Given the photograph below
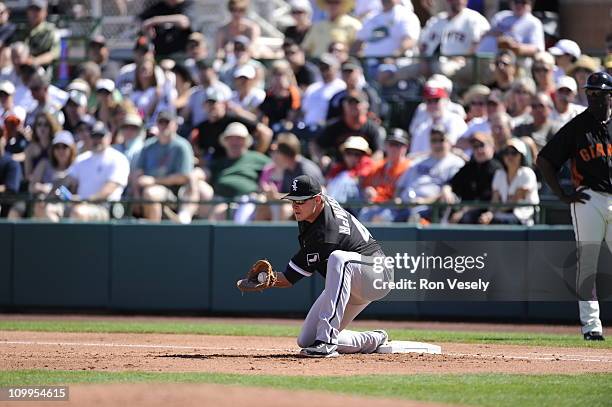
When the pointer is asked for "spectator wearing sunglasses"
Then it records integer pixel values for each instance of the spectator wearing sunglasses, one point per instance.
(473, 181)
(543, 127)
(504, 70)
(515, 183)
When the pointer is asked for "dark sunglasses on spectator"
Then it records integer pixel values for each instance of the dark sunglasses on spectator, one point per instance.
(392, 143)
(163, 122)
(356, 153)
(492, 103)
(436, 140)
(538, 106)
(4, 95)
(336, 2)
(478, 102)
(432, 101)
(97, 135)
(240, 47)
(297, 11)
(540, 69)
(476, 145)
(510, 151)
(60, 146)
(520, 1)
(238, 10)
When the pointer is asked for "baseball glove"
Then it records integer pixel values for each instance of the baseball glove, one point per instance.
(253, 282)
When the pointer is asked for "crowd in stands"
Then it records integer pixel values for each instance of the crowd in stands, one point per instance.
(195, 119)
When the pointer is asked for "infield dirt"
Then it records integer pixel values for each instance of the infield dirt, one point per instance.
(275, 356)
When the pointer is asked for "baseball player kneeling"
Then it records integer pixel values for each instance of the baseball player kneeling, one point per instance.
(337, 246)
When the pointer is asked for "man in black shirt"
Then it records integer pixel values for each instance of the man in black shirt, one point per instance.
(306, 73)
(473, 181)
(205, 137)
(168, 23)
(354, 122)
(336, 245)
(586, 141)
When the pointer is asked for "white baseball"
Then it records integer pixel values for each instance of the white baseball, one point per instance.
(262, 277)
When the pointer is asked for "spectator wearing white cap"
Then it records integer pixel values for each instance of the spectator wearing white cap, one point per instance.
(542, 72)
(565, 108)
(437, 113)
(237, 174)
(437, 81)
(206, 137)
(194, 114)
(301, 12)
(98, 175)
(243, 55)
(566, 52)
(247, 97)
(49, 172)
(345, 176)
(74, 109)
(106, 102)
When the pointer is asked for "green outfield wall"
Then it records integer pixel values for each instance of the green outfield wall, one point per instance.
(166, 268)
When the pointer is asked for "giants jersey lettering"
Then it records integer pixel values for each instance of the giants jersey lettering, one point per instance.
(334, 229)
(588, 144)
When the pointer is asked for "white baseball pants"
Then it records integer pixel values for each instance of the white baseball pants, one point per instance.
(592, 224)
(349, 288)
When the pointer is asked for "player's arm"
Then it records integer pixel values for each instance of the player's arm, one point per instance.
(549, 173)
(281, 281)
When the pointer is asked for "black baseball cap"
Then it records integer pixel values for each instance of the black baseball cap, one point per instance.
(398, 136)
(302, 188)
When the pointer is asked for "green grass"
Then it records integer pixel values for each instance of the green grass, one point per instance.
(472, 389)
(508, 338)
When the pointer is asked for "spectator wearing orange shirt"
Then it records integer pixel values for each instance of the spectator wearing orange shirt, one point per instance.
(379, 185)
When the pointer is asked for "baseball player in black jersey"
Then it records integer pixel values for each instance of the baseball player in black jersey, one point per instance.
(586, 141)
(336, 245)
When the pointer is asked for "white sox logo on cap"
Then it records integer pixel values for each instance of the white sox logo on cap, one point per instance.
(294, 185)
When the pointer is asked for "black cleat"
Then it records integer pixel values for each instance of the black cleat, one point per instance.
(594, 336)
